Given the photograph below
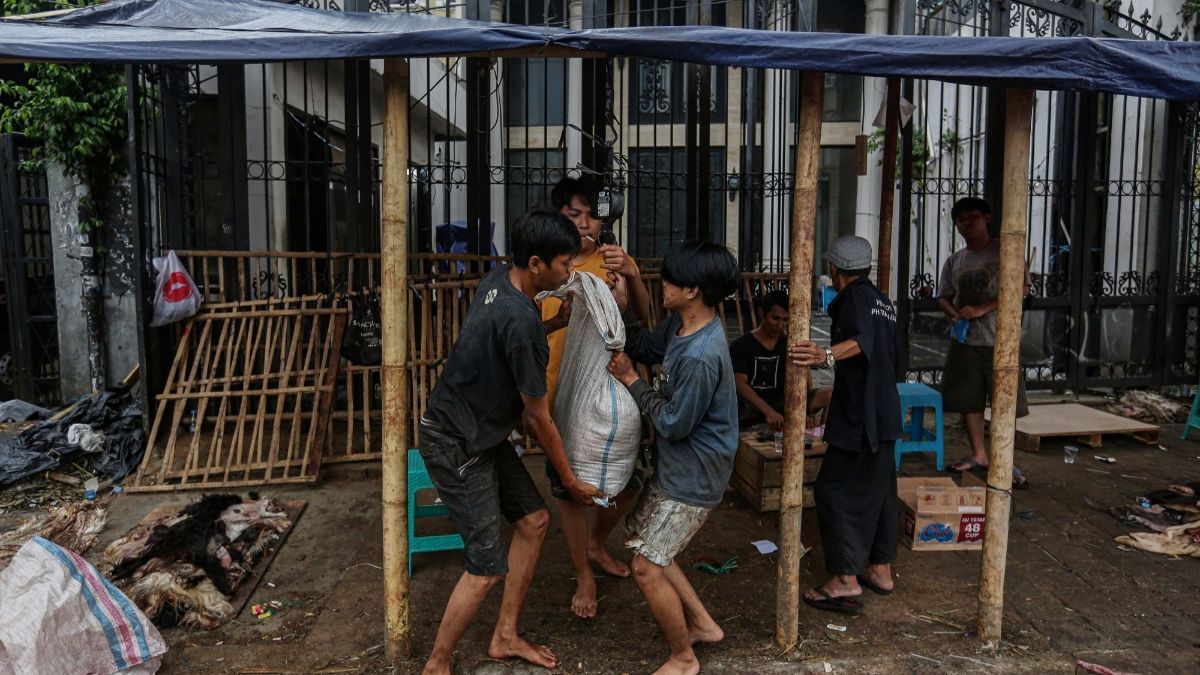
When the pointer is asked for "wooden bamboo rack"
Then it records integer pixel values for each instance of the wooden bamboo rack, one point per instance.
(247, 400)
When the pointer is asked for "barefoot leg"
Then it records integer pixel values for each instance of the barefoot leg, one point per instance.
(667, 608)
(464, 602)
(701, 626)
(606, 522)
(523, 555)
(575, 531)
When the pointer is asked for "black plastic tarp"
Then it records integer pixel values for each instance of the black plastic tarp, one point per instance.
(254, 31)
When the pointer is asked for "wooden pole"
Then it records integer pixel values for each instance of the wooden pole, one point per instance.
(887, 189)
(1006, 364)
(394, 311)
(791, 498)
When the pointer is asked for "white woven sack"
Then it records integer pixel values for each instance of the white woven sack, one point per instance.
(597, 417)
(59, 615)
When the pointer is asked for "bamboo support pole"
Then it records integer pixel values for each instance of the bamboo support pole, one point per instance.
(791, 498)
(1006, 364)
(887, 188)
(394, 311)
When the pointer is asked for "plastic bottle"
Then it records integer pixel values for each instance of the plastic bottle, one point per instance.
(192, 423)
(779, 442)
(89, 488)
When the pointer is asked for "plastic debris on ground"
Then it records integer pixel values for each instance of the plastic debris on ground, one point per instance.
(711, 566)
(17, 410)
(113, 415)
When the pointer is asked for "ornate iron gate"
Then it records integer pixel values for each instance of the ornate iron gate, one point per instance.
(29, 353)
(1110, 208)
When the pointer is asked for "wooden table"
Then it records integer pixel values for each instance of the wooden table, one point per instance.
(757, 471)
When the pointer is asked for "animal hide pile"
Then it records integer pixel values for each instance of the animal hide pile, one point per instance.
(183, 566)
(1172, 514)
(1148, 406)
(73, 526)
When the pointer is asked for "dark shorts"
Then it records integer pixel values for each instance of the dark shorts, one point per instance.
(559, 491)
(477, 490)
(967, 380)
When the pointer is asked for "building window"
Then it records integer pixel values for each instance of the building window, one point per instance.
(658, 199)
(534, 89)
(837, 198)
(530, 176)
(659, 90)
(843, 93)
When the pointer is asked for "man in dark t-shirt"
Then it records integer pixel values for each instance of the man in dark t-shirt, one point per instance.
(759, 366)
(855, 490)
(494, 377)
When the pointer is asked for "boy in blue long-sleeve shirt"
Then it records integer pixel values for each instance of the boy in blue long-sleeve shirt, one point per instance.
(695, 412)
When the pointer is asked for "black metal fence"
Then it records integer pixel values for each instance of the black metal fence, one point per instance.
(286, 157)
(1110, 205)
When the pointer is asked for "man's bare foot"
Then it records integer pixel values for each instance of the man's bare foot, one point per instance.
(707, 635)
(598, 553)
(675, 666)
(584, 602)
(436, 668)
(517, 647)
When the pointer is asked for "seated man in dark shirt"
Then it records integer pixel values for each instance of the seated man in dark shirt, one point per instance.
(759, 364)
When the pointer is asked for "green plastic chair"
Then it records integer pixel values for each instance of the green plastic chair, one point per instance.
(1193, 420)
(418, 479)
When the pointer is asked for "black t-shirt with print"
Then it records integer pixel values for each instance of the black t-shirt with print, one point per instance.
(500, 354)
(865, 408)
(764, 368)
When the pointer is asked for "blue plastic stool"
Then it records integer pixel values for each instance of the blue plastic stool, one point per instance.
(827, 295)
(914, 399)
(418, 479)
(1193, 420)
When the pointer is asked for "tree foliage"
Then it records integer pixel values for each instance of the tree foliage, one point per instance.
(77, 112)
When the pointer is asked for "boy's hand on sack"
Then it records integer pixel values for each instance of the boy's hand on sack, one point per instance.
(584, 492)
(616, 260)
(620, 290)
(622, 368)
(563, 317)
(806, 353)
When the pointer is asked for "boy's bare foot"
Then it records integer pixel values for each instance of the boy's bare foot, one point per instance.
(517, 647)
(584, 602)
(436, 668)
(675, 666)
(707, 635)
(598, 553)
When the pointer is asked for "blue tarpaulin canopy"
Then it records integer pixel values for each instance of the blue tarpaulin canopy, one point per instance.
(256, 31)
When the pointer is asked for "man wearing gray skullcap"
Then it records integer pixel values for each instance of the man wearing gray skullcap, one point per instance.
(855, 490)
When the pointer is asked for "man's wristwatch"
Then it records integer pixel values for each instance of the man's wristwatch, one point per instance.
(830, 362)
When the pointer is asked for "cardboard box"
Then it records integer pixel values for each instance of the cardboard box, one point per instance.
(936, 514)
(758, 472)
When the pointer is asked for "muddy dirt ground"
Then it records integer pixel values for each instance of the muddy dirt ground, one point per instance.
(1071, 592)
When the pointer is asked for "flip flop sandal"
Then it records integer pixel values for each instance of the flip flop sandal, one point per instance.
(1020, 482)
(871, 586)
(968, 461)
(828, 603)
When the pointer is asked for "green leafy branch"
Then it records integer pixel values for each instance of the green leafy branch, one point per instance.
(77, 112)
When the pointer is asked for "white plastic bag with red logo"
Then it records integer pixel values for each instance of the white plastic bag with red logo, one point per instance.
(176, 296)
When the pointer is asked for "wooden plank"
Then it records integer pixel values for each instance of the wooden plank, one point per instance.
(1081, 423)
